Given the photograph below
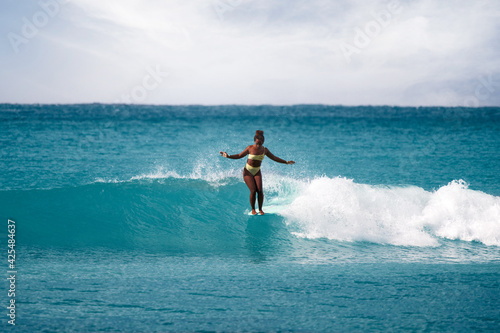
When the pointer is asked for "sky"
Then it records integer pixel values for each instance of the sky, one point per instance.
(381, 52)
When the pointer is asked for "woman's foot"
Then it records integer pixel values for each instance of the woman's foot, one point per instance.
(254, 212)
(261, 212)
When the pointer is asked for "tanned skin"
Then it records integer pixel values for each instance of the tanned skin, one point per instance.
(254, 183)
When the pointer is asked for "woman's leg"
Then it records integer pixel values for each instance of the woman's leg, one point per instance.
(260, 191)
(250, 181)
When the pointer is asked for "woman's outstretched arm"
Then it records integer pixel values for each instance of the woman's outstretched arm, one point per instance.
(277, 159)
(237, 156)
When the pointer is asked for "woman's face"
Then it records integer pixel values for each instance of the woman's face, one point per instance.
(259, 141)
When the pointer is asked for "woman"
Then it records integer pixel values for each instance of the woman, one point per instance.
(251, 172)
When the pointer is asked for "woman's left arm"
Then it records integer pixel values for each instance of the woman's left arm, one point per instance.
(277, 159)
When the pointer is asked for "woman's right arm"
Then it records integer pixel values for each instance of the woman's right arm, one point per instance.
(237, 156)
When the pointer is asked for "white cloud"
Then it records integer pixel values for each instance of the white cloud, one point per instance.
(256, 52)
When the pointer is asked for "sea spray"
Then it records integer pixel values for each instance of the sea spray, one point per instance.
(340, 209)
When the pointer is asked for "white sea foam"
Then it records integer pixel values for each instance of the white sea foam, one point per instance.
(217, 174)
(456, 212)
(159, 173)
(212, 174)
(338, 208)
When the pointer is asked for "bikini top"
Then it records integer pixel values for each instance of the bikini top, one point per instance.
(256, 157)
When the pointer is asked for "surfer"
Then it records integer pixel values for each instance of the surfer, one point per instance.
(251, 172)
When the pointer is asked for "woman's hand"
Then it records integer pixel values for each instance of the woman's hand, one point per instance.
(224, 154)
(290, 162)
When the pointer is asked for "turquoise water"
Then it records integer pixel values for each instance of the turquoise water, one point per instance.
(127, 219)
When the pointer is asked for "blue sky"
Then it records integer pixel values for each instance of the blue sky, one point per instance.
(393, 52)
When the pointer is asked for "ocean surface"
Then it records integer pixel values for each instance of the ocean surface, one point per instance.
(128, 219)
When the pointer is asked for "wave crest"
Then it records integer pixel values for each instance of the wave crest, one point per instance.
(342, 210)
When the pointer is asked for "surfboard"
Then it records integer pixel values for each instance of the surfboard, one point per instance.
(271, 210)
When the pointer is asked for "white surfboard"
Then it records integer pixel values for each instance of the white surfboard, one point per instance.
(271, 210)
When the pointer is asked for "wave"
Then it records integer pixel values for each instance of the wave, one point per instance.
(343, 210)
(206, 214)
(172, 214)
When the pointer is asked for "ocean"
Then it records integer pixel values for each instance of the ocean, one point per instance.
(125, 218)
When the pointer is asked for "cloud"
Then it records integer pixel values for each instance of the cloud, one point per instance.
(257, 52)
